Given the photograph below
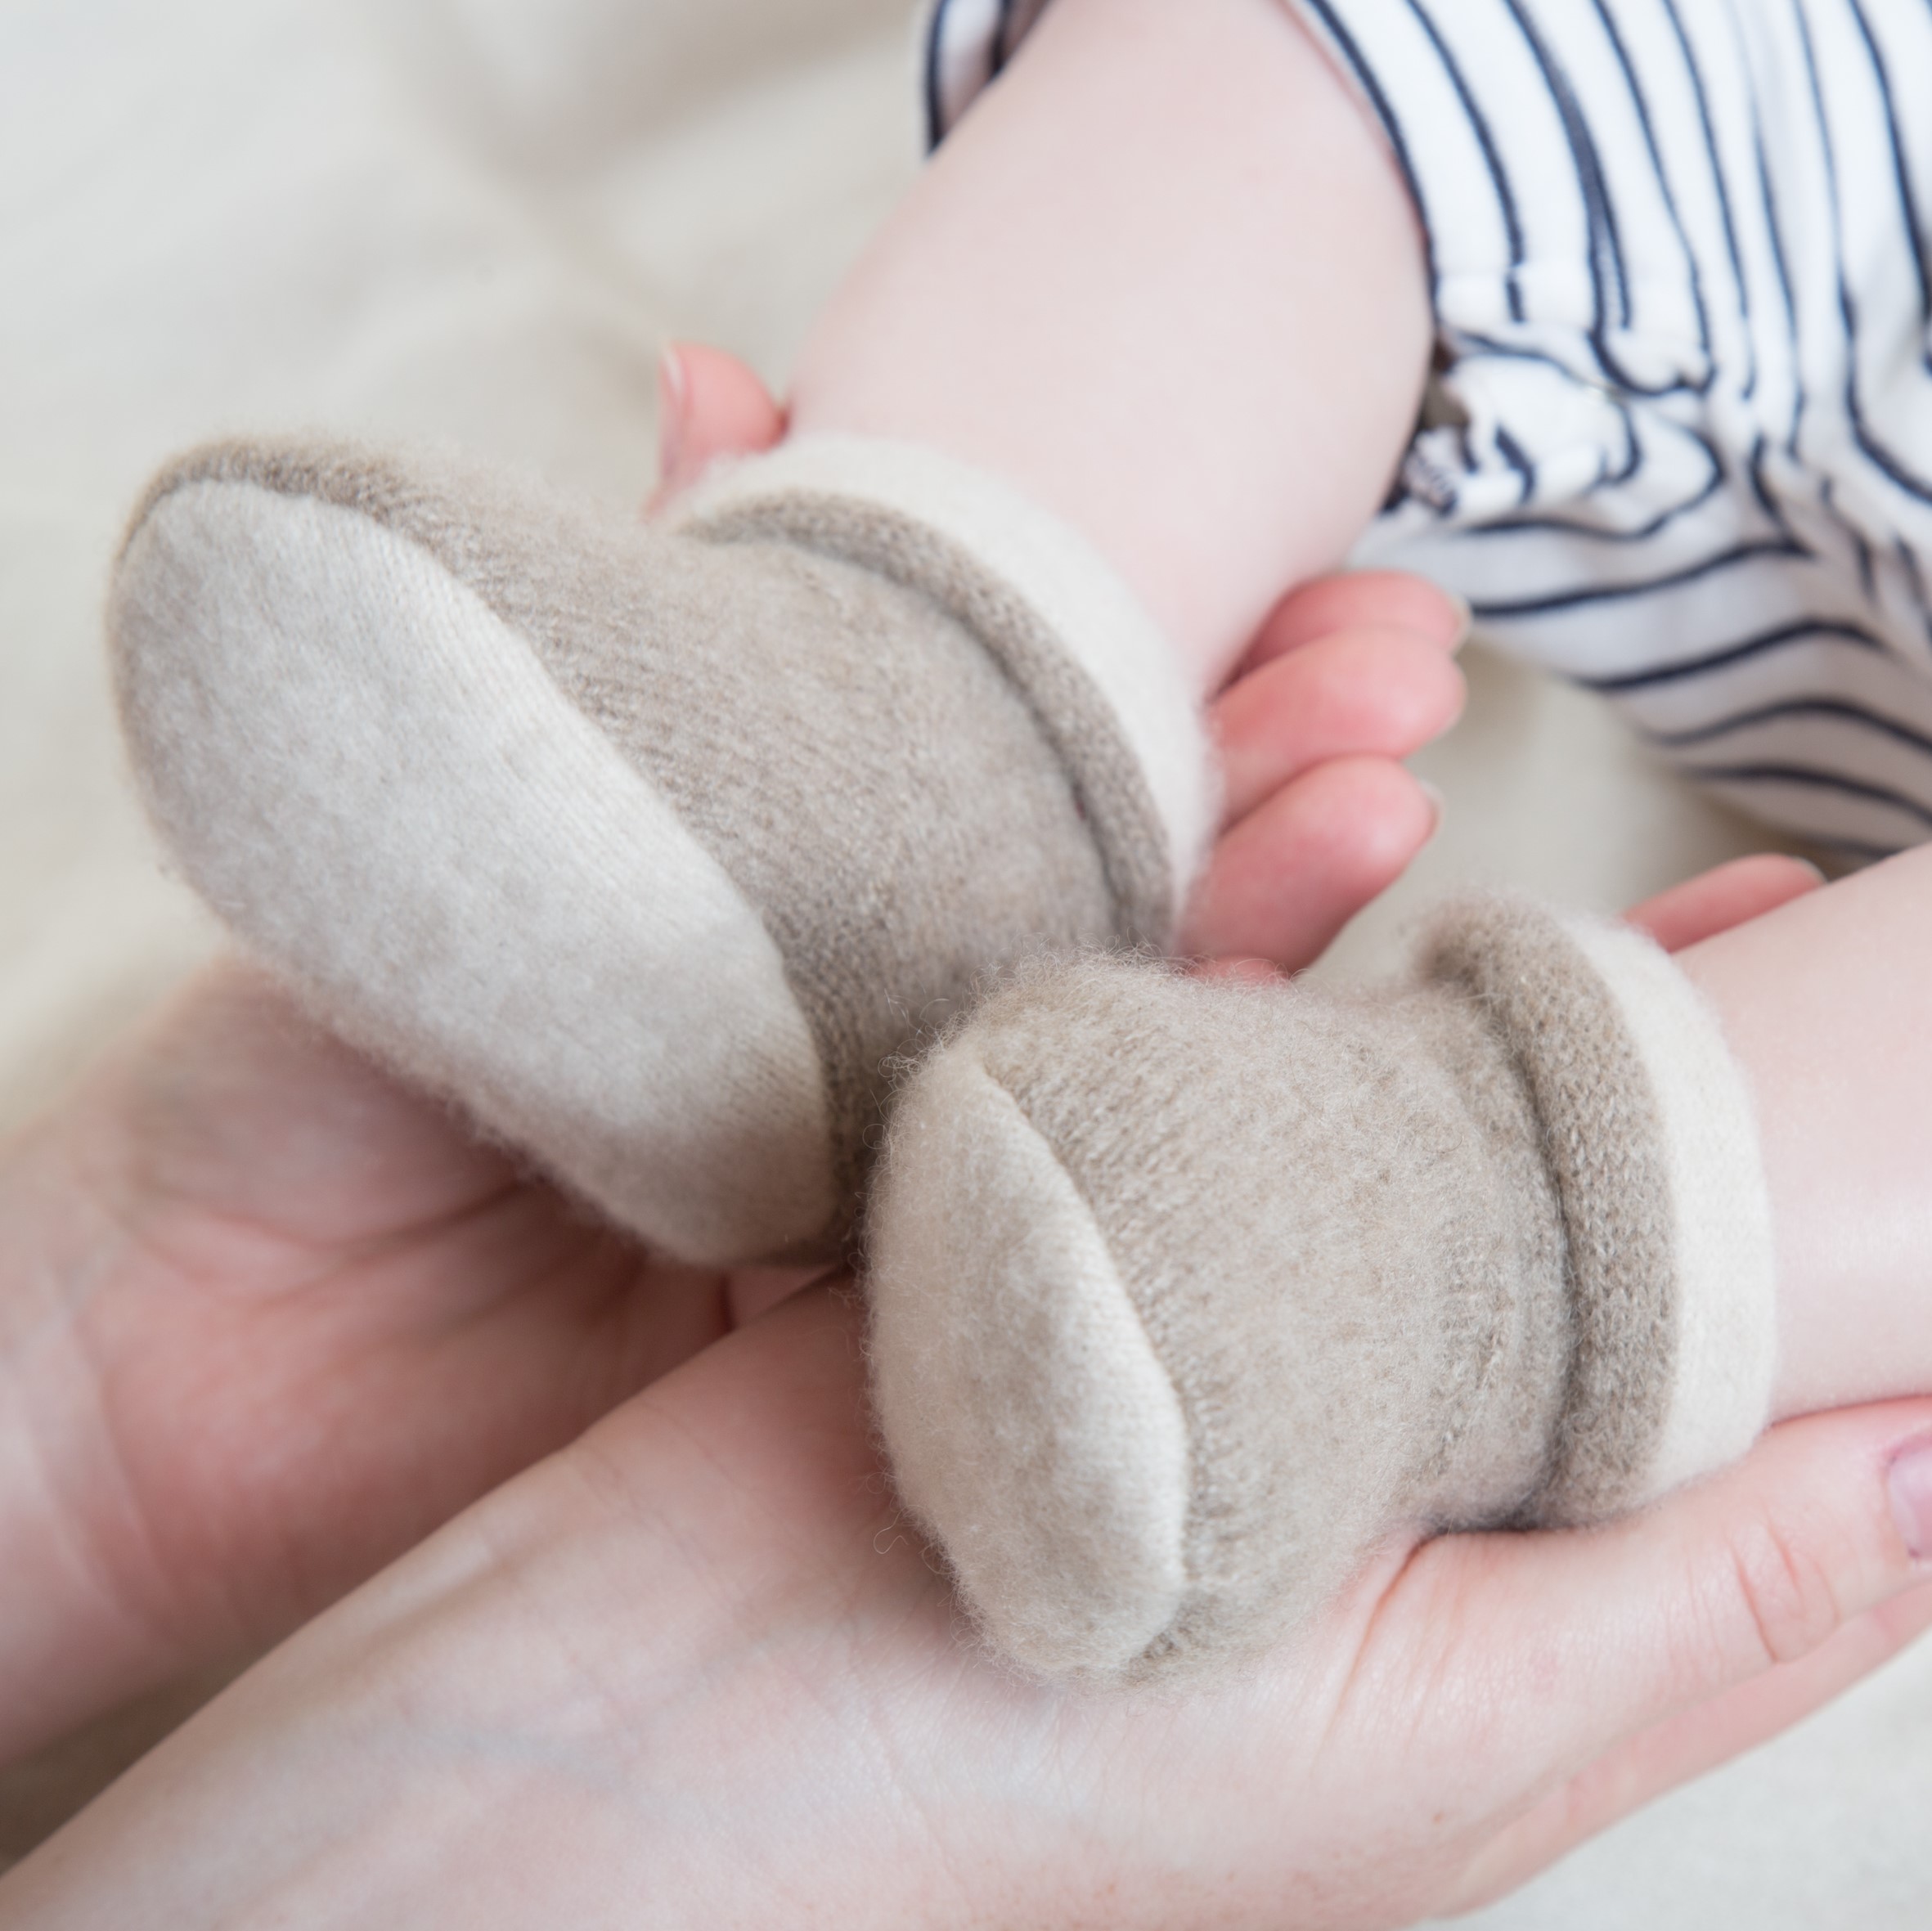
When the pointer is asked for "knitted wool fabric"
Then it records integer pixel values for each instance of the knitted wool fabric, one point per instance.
(650, 847)
(1186, 1294)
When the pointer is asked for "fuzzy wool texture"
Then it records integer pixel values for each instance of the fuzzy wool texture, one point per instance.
(1601, 1135)
(1405, 1258)
(1720, 1209)
(859, 778)
(479, 219)
(992, 1393)
(1108, 686)
(370, 777)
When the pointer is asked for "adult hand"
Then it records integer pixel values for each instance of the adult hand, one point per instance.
(694, 1670)
(267, 1318)
(700, 1618)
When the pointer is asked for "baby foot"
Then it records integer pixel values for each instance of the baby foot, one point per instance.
(1186, 1295)
(1350, 675)
(652, 847)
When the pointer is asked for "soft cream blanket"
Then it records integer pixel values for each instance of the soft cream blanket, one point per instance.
(477, 219)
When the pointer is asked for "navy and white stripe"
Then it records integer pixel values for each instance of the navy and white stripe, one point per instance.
(967, 44)
(1682, 449)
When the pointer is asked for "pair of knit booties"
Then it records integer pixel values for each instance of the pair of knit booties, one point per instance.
(660, 851)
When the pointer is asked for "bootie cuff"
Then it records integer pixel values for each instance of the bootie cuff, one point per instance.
(1101, 679)
(1186, 1295)
(1650, 1139)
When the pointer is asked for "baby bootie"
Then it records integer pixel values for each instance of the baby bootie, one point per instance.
(1186, 1294)
(649, 846)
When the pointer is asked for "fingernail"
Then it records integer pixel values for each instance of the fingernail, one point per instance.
(1465, 620)
(1438, 803)
(672, 389)
(1910, 1484)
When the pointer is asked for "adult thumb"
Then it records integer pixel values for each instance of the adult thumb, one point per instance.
(1669, 1642)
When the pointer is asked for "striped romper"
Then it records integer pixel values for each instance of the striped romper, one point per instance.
(1679, 445)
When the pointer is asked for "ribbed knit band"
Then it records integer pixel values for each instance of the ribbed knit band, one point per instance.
(1726, 1330)
(1648, 1133)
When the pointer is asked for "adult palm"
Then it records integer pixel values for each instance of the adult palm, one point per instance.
(267, 1318)
(694, 1670)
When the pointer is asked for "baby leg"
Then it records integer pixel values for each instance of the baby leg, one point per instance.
(1349, 673)
(1189, 1294)
(1823, 1002)
(1167, 279)
(651, 848)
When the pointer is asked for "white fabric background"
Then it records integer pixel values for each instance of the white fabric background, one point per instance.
(478, 218)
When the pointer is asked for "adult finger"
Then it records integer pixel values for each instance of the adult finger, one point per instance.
(1372, 692)
(710, 405)
(1354, 599)
(1728, 894)
(1285, 880)
(1748, 1579)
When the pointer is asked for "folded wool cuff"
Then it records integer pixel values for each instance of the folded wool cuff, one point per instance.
(1186, 1294)
(650, 847)
(1106, 683)
(1648, 1128)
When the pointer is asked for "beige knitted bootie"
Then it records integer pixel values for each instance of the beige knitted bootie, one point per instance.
(1185, 1294)
(649, 847)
